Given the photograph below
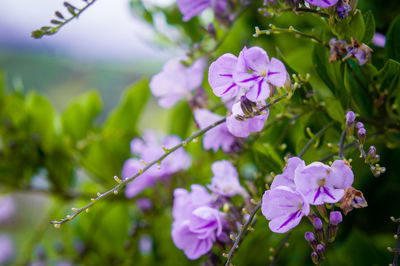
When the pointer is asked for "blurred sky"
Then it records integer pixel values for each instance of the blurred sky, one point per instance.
(106, 30)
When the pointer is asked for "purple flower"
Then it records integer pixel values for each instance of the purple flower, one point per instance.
(192, 8)
(335, 218)
(197, 225)
(220, 76)
(7, 208)
(144, 204)
(321, 184)
(322, 3)
(379, 39)
(257, 73)
(287, 176)
(175, 81)
(149, 149)
(6, 249)
(219, 136)
(343, 8)
(243, 127)
(145, 244)
(225, 181)
(284, 207)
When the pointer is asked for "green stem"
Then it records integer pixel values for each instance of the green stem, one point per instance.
(316, 136)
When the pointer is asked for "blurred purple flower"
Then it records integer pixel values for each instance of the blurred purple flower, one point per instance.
(256, 72)
(322, 3)
(284, 207)
(196, 223)
(144, 204)
(149, 149)
(287, 176)
(175, 81)
(7, 207)
(321, 184)
(343, 8)
(219, 136)
(243, 128)
(6, 249)
(225, 181)
(145, 244)
(379, 39)
(220, 76)
(192, 8)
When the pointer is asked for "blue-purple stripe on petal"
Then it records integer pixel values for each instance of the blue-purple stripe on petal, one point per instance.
(291, 217)
(326, 191)
(259, 87)
(230, 87)
(250, 79)
(317, 194)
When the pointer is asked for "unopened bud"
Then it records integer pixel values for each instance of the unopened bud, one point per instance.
(359, 125)
(321, 251)
(319, 230)
(315, 258)
(350, 118)
(309, 236)
(57, 226)
(362, 134)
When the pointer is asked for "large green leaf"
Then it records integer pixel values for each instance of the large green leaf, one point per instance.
(393, 40)
(334, 109)
(78, 118)
(369, 27)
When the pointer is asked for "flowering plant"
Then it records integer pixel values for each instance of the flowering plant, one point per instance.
(275, 137)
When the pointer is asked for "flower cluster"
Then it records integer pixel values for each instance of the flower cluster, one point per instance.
(249, 79)
(198, 222)
(176, 81)
(149, 149)
(299, 186)
(359, 51)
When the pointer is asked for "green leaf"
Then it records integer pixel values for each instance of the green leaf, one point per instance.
(41, 118)
(356, 27)
(78, 118)
(369, 27)
(387, 75)
(360, 99)
(322, 66)
(125, 117)
(180, 119)
(267, 159)
(393, 40)
(334, 109)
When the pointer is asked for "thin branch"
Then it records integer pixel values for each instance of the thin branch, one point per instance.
(122, 183)
(360, 148)
(317, 135)
(341, 144)
(330, 156)
(284, 241)
(48, 30)
(397, 248)
(291, 29)
(241, 233)
(305, 10)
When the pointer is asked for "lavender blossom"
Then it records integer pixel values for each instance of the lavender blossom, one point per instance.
(7, 208)
(242, 127)
(379, 40)
(220, 76)
(359, 51)
(225, 181)
(287, 176)
(149, 149)
(321, 184)
(322, 3)
(197, 225)
(284, 207)
(219, 136)
(6, 249)
(257, 73)
(343, 8)
(175, 81)
(192, 8)
(350, 118)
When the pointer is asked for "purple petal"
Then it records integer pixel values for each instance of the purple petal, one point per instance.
(322, 3)
(220, 76)
(277, 73)
(192, 8)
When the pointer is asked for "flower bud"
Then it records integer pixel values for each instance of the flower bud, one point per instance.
(371, 152)
(315, 258)
(309, 236)
(321, 251)
(335, 219)
(247, 106)
(322, 211)
(362, 134)
(359, 125)
(319, 230)
(350, 117)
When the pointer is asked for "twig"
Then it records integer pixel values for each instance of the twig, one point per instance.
(360, 148)
(305, 10)
(244, 229)
(317, 135)
(330, 156)
(47, 30)
(341, 144)
(122, 183)
(397, 248)
(291, 29)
